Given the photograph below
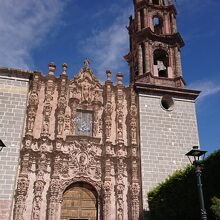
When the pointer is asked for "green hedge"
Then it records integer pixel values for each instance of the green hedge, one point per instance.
(177, 197)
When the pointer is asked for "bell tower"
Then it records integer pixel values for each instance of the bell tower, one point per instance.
(167, 119)
(155, 44)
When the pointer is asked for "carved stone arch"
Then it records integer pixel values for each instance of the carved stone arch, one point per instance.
(66, 183)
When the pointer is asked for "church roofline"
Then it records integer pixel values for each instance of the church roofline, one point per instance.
(15, 73)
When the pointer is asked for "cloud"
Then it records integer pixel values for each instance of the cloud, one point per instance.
(23, 25)
(208, 88)
(107, 46)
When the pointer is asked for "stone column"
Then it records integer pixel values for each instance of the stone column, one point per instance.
(22, 189)
(145, 18)
(139, 20)
(140, 61)
(178, 62)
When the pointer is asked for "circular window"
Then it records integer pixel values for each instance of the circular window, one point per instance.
(167, 103)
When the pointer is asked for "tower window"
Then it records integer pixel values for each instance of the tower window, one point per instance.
(143, 57)
(161, 60)
(158, 25)
(142, 18)
(156, 2)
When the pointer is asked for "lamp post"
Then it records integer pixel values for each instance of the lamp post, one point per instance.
(2, 145)
(195, 154)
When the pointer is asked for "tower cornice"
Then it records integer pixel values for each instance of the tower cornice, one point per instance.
(170, 39)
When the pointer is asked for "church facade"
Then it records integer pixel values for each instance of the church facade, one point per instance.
(82, 149)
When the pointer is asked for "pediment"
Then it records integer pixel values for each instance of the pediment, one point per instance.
(86, 88)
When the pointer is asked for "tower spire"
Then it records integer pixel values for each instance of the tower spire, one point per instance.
(155, 44)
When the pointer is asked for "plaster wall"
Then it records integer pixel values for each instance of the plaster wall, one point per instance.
(165, 138)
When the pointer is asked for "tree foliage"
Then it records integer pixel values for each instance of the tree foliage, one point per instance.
(177, 197)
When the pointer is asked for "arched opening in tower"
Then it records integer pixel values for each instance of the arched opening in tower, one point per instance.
(161, 62)
(158, 25)
(156, 2)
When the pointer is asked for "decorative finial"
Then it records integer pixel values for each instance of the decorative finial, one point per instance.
(52, 68)
(86, 63)
(108, 75)
(120, 77)
(170, 2)
(65, 66)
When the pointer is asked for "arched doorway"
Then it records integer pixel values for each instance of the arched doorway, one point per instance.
(79, 202)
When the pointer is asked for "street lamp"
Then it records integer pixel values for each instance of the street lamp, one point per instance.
(2, 145)
(194, 158)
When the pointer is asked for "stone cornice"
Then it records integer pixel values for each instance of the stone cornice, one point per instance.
(16, 73)
(164, 90)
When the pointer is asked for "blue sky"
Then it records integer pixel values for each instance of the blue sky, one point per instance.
(33, 33)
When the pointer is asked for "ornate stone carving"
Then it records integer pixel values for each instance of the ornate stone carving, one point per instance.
(21, 194)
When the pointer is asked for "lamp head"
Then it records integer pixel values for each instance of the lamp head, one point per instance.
(195, 154)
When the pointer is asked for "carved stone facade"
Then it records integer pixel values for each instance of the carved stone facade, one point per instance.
(54, 155)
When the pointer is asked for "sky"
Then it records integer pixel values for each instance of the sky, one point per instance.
(34, 33)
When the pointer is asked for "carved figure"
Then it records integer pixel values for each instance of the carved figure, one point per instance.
(86, 91)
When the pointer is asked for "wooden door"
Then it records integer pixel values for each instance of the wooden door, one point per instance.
(79, 202)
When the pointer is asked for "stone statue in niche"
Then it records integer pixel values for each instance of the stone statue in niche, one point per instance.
(47, 110)
(45, 127)
(62, 102)
(31, 118)
(86, 87)
(33, 100)
(60, 124)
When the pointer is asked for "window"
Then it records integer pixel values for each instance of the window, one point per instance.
(156, 2)
(142, 18)
(158, 25)
(161, 60)
(167, 103)
(84, 123)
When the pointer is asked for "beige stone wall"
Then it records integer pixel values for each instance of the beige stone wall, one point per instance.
(13, 96)
(165, 138)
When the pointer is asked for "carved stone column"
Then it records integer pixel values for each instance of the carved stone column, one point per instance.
(38, 190)
(119, 109)
(62, 102)
(135, 185)
(108, 107)
(50, 86)
(33, 104)
(178, 62)
(140, 61)
(53, 213)
(107, 190)
(22, 188)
